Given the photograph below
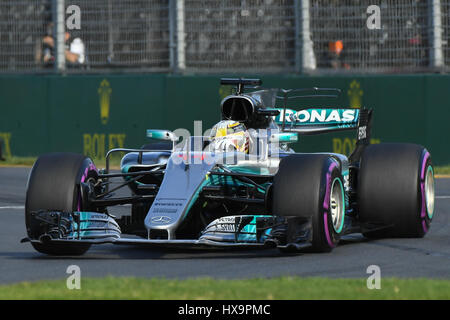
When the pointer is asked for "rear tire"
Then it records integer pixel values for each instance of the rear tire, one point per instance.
(396, 189)
(311, 185)
(54, 184)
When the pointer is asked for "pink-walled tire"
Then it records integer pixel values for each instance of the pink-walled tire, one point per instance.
(54, 184)
(311, 185)
(396, 189)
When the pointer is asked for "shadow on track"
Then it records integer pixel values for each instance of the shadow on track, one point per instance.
(142, 252)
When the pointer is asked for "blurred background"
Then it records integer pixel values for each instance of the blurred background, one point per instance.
(207, 36)
(89, 75)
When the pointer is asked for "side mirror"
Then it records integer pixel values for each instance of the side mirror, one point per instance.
(162, 135)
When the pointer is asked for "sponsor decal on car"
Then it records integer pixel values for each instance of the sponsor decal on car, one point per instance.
(318, 116)
(362, 133)
(161, 219)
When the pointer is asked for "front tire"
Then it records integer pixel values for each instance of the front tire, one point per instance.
(54, 184)
(311, 185)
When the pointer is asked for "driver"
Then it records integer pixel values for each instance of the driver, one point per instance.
(229, 135)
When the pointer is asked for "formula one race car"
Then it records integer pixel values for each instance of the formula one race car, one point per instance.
(240, 186)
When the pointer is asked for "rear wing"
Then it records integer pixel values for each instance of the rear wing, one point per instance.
(314, 120)
(304, 120)
(322, 120)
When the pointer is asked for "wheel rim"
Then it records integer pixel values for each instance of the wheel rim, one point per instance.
(337, 206)
(429, 192)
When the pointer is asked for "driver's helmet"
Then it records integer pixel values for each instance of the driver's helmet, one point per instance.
(229, 135)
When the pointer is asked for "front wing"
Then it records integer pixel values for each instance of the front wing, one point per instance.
(245, 231)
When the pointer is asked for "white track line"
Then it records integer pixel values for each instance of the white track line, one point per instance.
(13, 207)
(442, 197)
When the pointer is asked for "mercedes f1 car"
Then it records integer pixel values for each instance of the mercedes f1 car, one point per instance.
(240, 186)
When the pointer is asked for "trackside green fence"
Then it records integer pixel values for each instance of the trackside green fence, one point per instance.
(91, 114)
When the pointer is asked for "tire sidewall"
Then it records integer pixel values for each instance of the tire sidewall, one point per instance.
(425, 219)
(391, 191)
(325, 237)
(85, 170)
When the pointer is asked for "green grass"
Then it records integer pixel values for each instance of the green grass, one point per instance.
(18, 161)
(442, 170)
(207, 288)
(115, 162)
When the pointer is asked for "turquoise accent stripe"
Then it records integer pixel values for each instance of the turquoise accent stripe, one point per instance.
(249, 231)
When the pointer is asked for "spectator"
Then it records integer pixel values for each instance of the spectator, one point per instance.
(74, 51)
(48, 52)
(335, 55)
(77, 47)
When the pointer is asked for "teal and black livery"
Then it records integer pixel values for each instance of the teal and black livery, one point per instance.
(240, 229)
(266, 195)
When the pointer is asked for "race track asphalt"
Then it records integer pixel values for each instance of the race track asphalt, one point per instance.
(428, 257)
